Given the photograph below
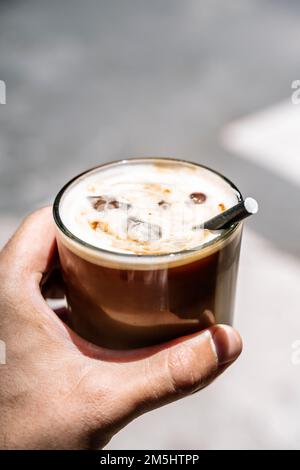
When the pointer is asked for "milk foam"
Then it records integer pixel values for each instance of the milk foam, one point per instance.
(145, 207)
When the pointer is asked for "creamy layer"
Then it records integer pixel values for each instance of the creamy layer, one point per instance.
(146, 206)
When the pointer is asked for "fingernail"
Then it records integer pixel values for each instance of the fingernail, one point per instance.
(227, 342)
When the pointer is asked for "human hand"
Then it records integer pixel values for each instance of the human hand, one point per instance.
(59, 391)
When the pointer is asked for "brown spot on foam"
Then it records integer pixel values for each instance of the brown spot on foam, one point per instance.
(101, 203)
(98, 202)
(114, 204)
(104, 227)
(163, 204)
(198, 198)
(94, 224)
(99, 225)
(222, 207)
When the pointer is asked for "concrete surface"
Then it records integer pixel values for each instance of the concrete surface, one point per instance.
(93, 81)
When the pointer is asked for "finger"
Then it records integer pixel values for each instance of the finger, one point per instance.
(180, 369)
(32, 247)
(24, 261)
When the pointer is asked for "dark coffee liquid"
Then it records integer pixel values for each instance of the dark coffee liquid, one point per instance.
(123, 308)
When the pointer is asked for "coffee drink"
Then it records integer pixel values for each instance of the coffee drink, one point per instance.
(137, 265)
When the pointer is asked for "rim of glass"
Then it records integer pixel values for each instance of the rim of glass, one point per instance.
(69, 234)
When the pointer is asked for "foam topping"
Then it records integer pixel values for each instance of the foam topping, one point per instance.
(145, 207)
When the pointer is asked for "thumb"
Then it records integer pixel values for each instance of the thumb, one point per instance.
(181, 368)
(32, 247)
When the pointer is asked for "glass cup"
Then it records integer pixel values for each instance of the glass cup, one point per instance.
(124, 301)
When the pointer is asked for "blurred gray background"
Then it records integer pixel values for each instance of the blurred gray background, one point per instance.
(93, 81)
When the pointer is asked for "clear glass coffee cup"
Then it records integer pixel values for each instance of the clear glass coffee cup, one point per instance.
(125, 300)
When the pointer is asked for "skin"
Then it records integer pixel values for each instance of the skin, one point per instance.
(59, 391)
